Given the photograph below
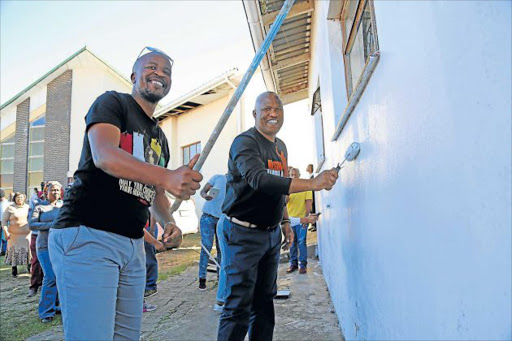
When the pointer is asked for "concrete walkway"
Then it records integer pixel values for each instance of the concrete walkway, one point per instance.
(185, 313)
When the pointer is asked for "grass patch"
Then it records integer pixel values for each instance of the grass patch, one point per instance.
(19, 318)
(18, 313)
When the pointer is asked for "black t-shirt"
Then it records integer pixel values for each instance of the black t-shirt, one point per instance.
(256, 184)
(101, 201)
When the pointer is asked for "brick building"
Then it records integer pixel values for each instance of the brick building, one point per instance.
(42, 127)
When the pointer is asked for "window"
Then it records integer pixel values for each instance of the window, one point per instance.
(189, 151)
(359, 39)
(7, 164)
(316, 112)
(36, 153)
(360, 53)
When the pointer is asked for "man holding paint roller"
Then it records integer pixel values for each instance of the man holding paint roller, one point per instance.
(96, 243)
(254, 208)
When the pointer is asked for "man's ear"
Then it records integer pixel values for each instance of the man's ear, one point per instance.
(254, 113)
(132, 77)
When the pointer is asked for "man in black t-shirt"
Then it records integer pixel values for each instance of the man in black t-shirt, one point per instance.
(254, 207)
(96, 243)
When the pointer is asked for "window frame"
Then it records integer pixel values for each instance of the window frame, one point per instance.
(316, 112)
(348, 41)
(354, 93)
(187, 147)
(12, 143)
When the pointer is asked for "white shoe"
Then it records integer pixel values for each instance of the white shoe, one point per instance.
(218, 307)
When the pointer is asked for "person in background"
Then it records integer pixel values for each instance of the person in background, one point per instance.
(213, 192)
(15, 226)
(208, 223)
(3, 205)
(36, 272)
(299, 206)
(41, 220)
(309, 169)
(151, 245)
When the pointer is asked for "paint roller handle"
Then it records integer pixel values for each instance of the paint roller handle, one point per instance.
(325, 180)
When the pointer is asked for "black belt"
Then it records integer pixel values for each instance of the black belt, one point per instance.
(250, 225)
(209, 215)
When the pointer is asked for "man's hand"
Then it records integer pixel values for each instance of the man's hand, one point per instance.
(184, 181)
(325, 180)
(310, 219)
(159, 246)
(172, 236)
(288, 235)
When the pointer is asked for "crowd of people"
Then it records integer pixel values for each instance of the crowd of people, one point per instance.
(26, 227)
(99, 260)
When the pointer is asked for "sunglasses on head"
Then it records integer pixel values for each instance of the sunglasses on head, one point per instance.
(153, 49)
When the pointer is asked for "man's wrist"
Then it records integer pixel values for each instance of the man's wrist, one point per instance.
(285, 221)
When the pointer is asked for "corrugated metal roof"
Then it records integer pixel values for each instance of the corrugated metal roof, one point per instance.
(290, 52)
(206, 93)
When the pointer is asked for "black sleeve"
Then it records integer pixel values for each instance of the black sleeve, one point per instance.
(245, 153)
(106, 109)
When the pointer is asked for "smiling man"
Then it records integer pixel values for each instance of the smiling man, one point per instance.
(96, 243)
(254, 207)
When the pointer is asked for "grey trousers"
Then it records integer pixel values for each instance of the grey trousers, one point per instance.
(100, 279)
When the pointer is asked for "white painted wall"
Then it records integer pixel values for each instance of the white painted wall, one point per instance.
(7, 117)
(415, 238)
(90, 80)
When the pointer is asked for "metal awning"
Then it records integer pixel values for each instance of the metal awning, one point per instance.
(286, 68)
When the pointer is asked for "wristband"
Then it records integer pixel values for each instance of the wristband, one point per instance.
(284, 221)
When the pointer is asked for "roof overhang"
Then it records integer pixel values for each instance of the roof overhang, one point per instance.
(206, 93)
(285, 67)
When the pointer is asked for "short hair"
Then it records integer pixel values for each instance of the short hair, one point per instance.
(17, 194)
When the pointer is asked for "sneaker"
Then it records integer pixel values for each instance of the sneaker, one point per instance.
(292, 268)
(302, 270)
(148, 307)
(32, 292)
(202, 283)
(47, 320)
(149, 293)
(219, 306)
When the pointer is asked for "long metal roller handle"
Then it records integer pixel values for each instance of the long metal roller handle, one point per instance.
(240, 90)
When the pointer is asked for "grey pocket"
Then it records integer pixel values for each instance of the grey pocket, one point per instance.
(69, 238)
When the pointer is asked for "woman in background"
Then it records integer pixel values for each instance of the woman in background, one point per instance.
(15, 225)
(41, 220)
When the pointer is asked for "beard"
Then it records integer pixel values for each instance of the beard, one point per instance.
(150, 96)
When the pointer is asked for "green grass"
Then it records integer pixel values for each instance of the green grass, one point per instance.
(18, 313)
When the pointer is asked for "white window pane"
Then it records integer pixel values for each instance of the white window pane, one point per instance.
(7, 151)
(37, 133)
(36, 148)
(186, 156)
(34, 180)
(36, 164)
(6, 180)
(319, 137)
(7, 166)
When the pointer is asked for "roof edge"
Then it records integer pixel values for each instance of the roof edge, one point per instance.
(212, 83)
(64, 62)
